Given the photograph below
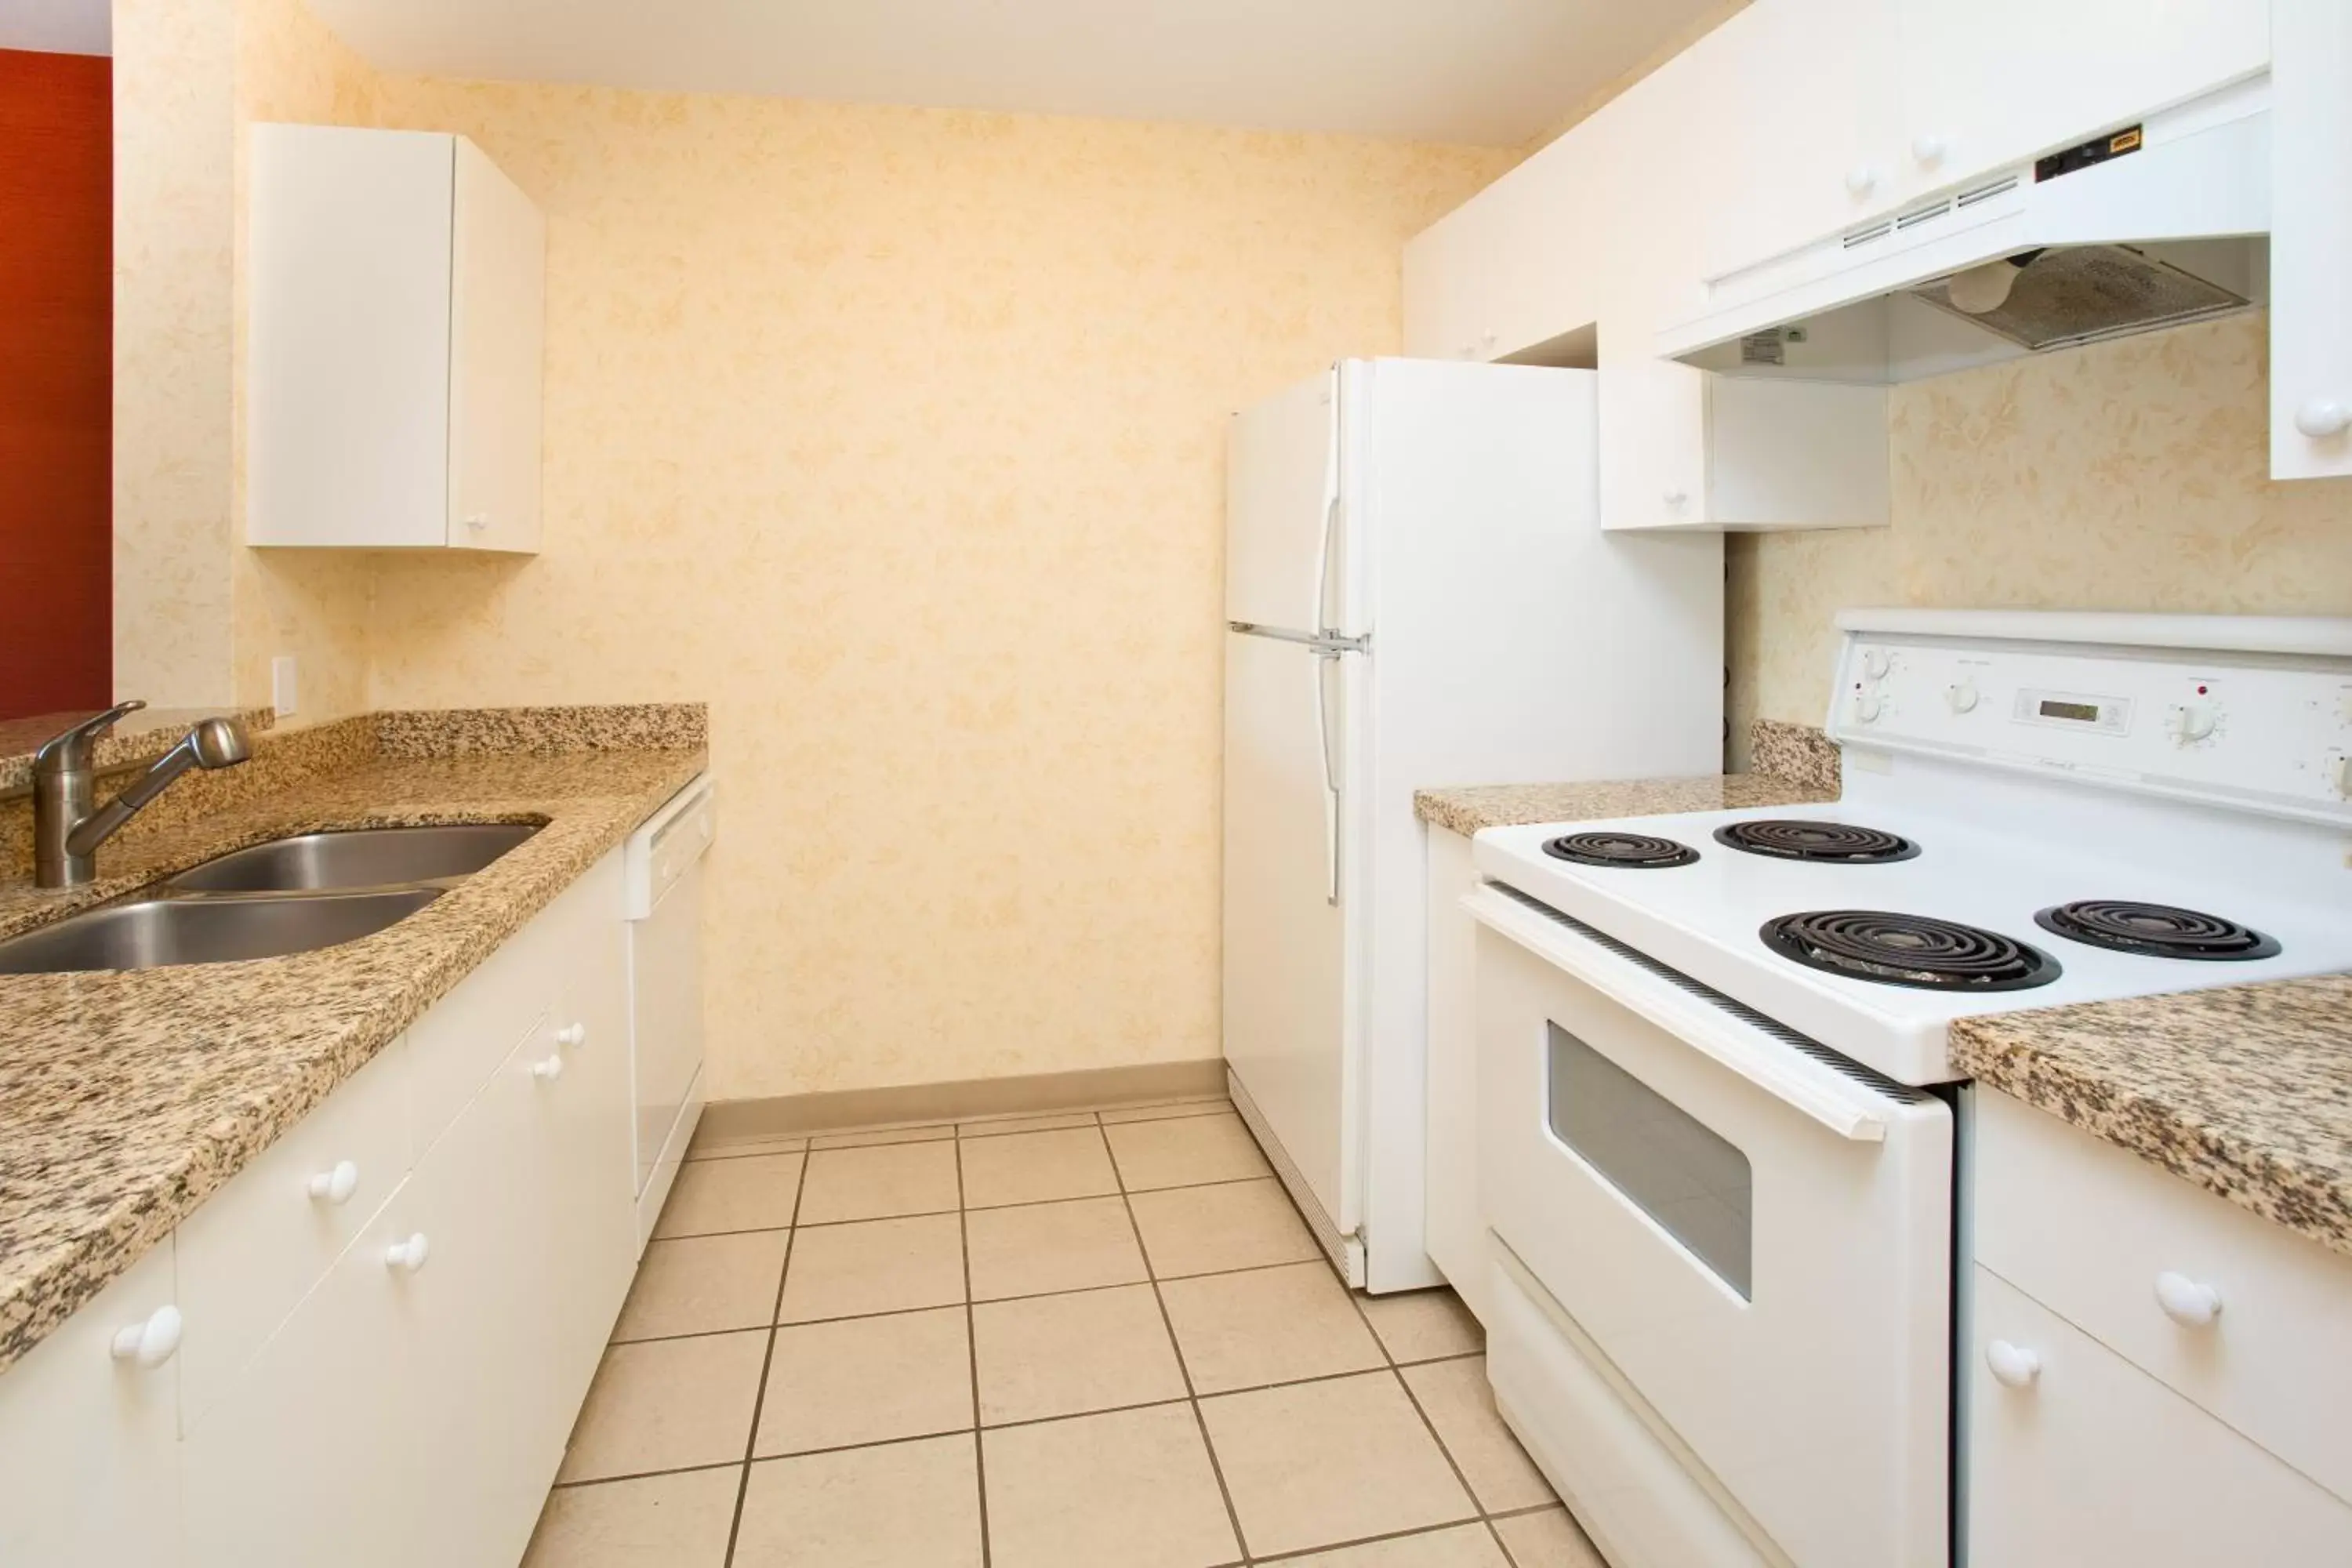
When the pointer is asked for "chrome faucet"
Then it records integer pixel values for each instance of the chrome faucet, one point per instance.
(67, 832)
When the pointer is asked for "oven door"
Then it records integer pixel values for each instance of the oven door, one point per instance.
(1754, 1234)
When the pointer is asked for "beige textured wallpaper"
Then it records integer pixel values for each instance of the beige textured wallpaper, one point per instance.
(2127, 476)
(312, 604)
(196, 616)
(897, 435)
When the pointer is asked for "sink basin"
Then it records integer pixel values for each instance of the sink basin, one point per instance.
(355, 858)
(155, 932)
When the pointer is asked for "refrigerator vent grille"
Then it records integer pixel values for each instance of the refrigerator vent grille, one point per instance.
(1803, 1044)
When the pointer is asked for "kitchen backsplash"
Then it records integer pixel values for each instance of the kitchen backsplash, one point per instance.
(2125, 476)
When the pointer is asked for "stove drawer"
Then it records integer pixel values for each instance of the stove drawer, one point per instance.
(2079, 1458)
(2091, 1229)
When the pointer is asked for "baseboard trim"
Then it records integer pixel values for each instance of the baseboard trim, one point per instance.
(1045, 1091)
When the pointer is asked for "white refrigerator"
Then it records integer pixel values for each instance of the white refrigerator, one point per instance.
(1418, 594)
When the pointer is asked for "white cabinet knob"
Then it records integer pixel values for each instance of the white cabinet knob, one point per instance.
(150, 1343)
(1861, 180)
(549, 1071)
(2013, 1366)
(2322, 417)
(2187, 1302)
(335, 1187)
(477, 521)
(407, 1257)
(1928, 149)
(1674, 494)
(570, 1033)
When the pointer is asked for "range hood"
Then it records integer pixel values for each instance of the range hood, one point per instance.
(2146, 226)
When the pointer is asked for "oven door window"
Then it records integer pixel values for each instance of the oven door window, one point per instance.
(1696, 1186)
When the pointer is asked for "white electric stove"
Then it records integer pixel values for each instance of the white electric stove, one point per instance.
(1716, 1114)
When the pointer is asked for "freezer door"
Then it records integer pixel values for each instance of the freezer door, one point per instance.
(1281, 496)
(1286, 976)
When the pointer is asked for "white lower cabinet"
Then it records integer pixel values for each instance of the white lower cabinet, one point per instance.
(484, 1309)
(2077, 1456)
(2157, 1377)
(308, 1457)
(1456, 1234)
(89, 1457)
(389, 1376)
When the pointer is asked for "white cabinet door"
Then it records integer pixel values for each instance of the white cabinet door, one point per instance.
(584, 1131)
(395, 326)
(2311, 238)
(1987, 83)
(309, 1458)
(484, 1307)
(347, 387)
(1511, 268)
(89, 1453)
(1806, 125)
(497, 315)
(1456, 1234)
(2081, 1458)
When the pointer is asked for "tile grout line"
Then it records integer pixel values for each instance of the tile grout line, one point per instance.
(971, 1356)
(767, 1364)
(976, 1208)
(1396, 1370)
(953, 1131)
(1038, 1296)
(1183, 1368)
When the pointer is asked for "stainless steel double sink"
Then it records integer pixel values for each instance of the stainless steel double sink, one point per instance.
(287, 895)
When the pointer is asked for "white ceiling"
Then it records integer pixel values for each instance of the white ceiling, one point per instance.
(56, 26)
(1491, 71)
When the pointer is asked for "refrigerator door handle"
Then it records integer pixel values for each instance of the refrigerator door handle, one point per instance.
(1326, 660)
(1325, 621)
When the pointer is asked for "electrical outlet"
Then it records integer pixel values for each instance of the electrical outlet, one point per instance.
(282, 694)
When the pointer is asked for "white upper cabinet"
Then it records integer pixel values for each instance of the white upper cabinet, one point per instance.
(1508, 269)
(396, 321)
(1989, 82)
(1815, 131)
(2311, 236)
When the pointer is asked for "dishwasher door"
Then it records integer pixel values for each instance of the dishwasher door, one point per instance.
(663, 866)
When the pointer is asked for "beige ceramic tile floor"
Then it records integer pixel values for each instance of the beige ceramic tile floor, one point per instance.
(1078, 1341)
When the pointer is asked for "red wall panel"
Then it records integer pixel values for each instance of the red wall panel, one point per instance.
(57, 377)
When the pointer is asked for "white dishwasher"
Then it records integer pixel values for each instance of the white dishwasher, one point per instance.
(662, 872)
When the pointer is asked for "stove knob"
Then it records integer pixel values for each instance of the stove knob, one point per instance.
(1867, 707)
(1874, 663)
(1962, 695)
(2339, 773)
(2190, 722)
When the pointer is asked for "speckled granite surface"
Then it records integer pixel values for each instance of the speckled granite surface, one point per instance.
(1801, 753)
(146, 734)
(2246, 1091)
(461, 732)
(126, 1098)
(1813, 777)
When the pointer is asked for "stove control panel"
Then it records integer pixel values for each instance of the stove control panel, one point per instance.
(2262, 731)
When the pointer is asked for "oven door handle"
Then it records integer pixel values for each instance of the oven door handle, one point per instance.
(1848, 1108)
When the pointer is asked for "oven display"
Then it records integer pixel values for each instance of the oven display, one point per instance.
(2079, 711)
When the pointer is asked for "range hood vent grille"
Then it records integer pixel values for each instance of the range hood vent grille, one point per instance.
(2082, 294)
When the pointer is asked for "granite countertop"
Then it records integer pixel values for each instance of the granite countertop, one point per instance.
(2245, 1090)
(1796, 764)
(126, 1098)
(1466, 811)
